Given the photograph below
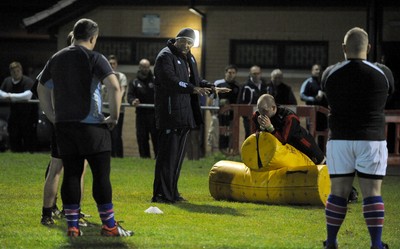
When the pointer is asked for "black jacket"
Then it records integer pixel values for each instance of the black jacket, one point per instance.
(143, 89)
(249, 93)
(176, 106)
(282, 93)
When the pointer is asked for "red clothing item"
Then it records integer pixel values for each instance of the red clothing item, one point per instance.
(287, 129)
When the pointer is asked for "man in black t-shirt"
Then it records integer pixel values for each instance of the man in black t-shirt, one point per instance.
(69, 93)
(356, 91)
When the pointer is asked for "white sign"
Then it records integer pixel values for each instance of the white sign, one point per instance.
(151, 25)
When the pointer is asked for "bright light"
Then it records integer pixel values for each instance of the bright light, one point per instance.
(197, 38)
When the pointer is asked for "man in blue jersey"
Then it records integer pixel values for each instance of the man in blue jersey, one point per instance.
(69, 93)
(356, 91)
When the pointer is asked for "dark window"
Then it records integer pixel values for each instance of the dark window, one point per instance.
(131, 50)
(278, 54)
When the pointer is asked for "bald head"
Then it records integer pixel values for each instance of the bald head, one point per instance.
(266, 105)
(144, 66)
(355, 44)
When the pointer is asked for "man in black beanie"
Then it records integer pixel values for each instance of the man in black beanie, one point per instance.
(177, 111)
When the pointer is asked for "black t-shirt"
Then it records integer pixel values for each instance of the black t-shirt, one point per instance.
(356, 91)
(75, 73)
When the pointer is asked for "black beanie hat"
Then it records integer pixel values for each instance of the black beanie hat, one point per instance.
(186, 33)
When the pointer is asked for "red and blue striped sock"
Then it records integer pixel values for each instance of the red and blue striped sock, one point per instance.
(106, 213)
(335, 212)
(72, 214)
(374, 214)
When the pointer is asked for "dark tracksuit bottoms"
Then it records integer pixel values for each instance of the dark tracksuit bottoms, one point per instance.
(171, 152)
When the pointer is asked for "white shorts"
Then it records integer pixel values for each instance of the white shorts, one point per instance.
(348, 156)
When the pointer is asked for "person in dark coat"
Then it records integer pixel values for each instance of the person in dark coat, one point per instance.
(177, 110)
(141, 91)
(282, 92)
(249, 93)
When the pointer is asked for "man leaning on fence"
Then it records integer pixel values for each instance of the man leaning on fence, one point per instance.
(22, 121)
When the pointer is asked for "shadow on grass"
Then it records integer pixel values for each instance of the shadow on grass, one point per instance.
(91, 238)
(208, 209)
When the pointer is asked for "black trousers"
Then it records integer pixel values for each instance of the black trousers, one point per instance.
(145, 126)
(117, 146)
(171, 152)
(22, 134)
(247, 126)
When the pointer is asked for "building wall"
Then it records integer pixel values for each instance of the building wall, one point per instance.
(391, 25)
(225, 23)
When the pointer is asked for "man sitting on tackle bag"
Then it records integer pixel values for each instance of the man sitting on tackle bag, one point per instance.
(284, 124)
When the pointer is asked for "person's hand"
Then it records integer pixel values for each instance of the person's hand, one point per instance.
(264, 122)
(5, 96)
(222, 89)
(111, 123)
(201, 90)
(135, 102)
(320, 95)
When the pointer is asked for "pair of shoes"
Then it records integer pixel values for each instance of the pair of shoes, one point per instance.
(74, 232)
(384, 246)
(161, 199)
(56, 213)
(83, 215)
(82, 219)
(180, 198)
(326, 246)
(116, 231)
(353, 196)
(82, 222)
(47, 220)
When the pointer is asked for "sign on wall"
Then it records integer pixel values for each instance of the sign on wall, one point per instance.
(151, 25)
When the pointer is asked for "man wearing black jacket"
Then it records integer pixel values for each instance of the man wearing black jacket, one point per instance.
(177, 110)
(141, 91)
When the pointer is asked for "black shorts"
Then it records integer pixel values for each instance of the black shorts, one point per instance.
(79, 139)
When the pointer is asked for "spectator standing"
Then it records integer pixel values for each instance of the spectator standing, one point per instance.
(70, 95)
(177, 110)
(117, 146)
(282, 93)
(224, 119)
(357, 91)
(311, 93)
(252, 89)
(22, 121)
(141, 91)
